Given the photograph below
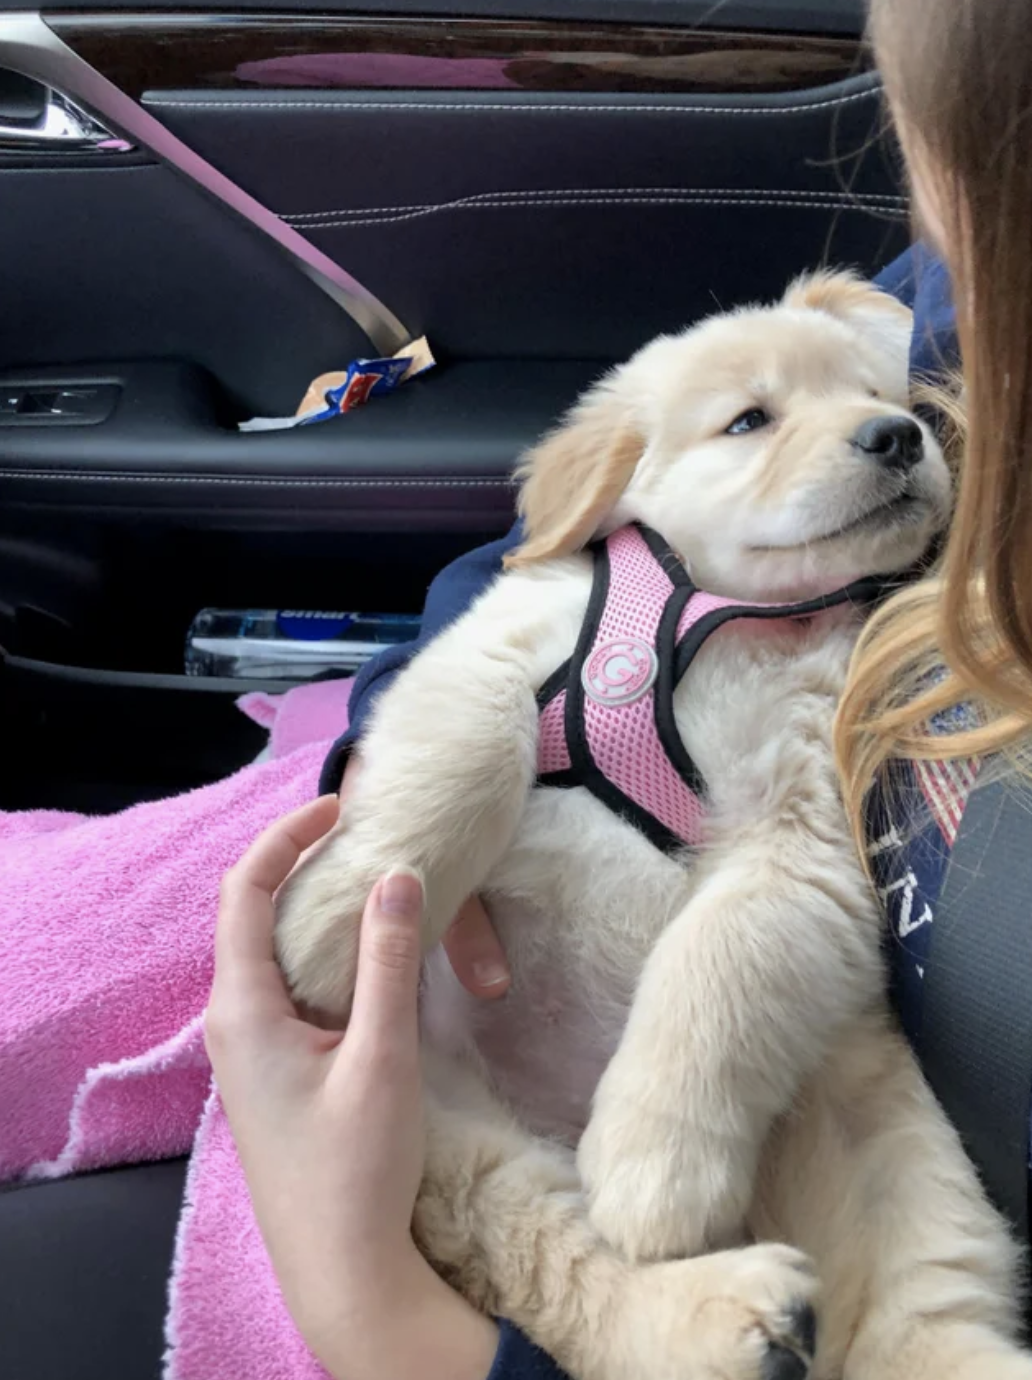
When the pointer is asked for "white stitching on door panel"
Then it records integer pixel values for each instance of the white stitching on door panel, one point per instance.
(598, 201)
(843, 198)
(264, 481)
(430, 108)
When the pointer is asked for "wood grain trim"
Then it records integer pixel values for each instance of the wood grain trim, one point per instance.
(226, 52)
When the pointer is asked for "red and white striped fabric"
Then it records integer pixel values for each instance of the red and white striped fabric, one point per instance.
(946, 787)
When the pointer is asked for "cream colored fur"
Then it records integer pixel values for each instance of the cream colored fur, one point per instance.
(694, 1053)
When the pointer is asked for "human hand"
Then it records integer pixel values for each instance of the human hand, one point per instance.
(473, 949)
(328, 1125)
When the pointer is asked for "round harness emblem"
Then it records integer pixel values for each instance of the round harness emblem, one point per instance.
(620, 672)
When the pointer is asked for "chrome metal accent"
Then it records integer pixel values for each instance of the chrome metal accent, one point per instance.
(63, 128)
(28, 45)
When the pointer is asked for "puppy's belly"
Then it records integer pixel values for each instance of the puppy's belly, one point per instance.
(578, 903)
(547, 1042)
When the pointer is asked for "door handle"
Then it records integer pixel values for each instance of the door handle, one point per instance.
(58, 125)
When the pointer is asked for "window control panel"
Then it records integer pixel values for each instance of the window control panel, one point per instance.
(53, 404)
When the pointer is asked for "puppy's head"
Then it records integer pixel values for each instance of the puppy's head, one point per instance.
(772, 447)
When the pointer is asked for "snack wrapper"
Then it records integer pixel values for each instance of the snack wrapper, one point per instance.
(343, 390)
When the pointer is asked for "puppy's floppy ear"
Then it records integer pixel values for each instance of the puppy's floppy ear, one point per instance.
(573, 478)
(876, 314)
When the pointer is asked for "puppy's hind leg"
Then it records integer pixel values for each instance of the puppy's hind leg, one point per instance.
(919, 1278)
(502, 1217)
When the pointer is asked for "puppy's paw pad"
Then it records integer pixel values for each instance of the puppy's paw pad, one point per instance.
(801, 1328)
(781, 1363)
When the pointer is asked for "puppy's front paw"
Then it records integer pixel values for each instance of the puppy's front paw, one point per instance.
(739, 1315)
(318, 917)
(657, 1188)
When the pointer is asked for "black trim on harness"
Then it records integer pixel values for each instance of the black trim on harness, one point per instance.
(555, 684)
(666, 557)
(557, 681)
(666, 635)
(663, 695)
(860, 592)
(585, 641)
(560, 780)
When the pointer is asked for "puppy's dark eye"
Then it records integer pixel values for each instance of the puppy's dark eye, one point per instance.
(752, 420)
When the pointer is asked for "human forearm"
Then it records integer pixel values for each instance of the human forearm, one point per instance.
(420, 1327)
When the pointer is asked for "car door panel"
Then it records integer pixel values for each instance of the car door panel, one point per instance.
(530, 224)
(516, 229)
(545, 190)
(437, 458)
(131, 261)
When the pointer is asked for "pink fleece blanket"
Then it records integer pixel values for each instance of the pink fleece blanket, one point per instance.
(105, 966)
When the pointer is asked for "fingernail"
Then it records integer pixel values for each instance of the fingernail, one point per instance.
(401, 893)
(489, 972)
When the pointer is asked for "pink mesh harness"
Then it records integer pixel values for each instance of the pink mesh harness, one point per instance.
(607, 714)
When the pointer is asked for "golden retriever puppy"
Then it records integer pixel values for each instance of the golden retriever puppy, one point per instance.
(691, 1105)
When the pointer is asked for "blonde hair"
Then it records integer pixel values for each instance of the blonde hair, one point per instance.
(959, 78)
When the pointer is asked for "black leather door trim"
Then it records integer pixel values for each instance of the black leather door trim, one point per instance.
(437, 455)
(529, 103)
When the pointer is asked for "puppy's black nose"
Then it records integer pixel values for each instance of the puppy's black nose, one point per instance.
(895, 442)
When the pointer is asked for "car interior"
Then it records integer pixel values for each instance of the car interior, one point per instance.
(537, 188)
(202, 209)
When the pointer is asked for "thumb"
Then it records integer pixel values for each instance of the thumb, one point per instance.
(389, 961)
